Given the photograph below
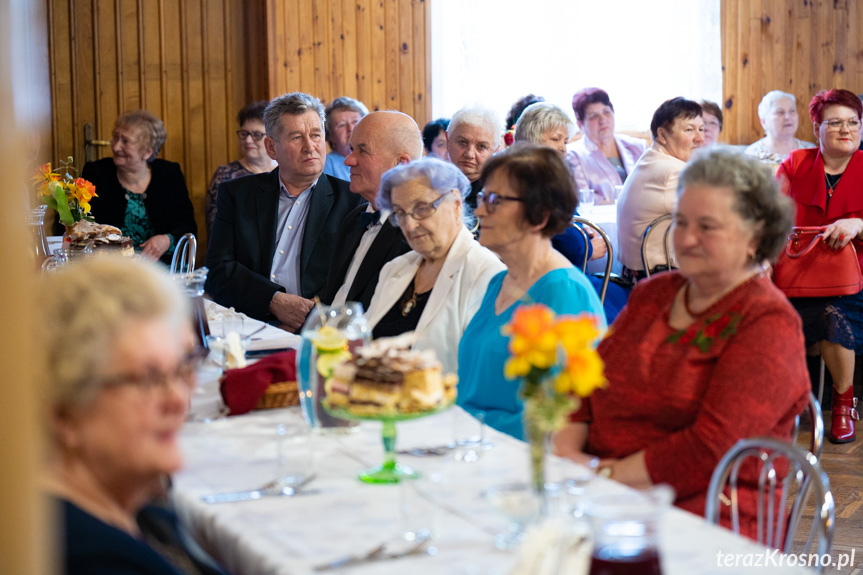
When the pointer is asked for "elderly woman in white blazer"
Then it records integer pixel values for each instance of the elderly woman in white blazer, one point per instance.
(435, 289)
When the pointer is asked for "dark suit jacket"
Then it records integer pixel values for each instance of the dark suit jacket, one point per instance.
(243, 240)
(389, 244)
(168, 205)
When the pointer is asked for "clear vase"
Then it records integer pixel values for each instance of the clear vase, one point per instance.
(36, 223)
(352, 325)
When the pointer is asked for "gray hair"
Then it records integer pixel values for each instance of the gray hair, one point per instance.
(88, 305)
(152, 127)
(539, 118)
(344, 103)
(295, 104)
(757, 199)
(479, 117)
(442, 177)
(770, 98)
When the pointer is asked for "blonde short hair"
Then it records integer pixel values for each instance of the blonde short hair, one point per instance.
(84, 307)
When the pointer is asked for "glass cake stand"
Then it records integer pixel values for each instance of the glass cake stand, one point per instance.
(389, 471)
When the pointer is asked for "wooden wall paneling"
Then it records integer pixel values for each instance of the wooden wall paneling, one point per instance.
(61, 88)
(173, 89)
(105, 62)
(196, 144)
(421, 80)
(365, 84)
(151, 58)
(852, 47)
(349, 46)
(324, 74)
(307, 47)
(405, 70)
(292, 56)
(336, 49)
(128, 50)
(393, 59)
(378, 61)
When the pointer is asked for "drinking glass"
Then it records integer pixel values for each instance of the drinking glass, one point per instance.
(586, 199)
(418, 506)
(520, 504)
(468, 435)
(294, 455)
(626, 531)
(352, 326)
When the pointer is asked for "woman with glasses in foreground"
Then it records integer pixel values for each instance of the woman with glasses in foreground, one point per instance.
(528, 197)
(120, 361)
(824, 183)
(435, 289)
(254, 158)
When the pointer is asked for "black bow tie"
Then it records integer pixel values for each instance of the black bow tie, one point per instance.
(368, 219)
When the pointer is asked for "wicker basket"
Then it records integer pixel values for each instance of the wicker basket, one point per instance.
(282, 394)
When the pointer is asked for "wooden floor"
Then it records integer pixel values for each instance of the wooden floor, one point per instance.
(844, 466)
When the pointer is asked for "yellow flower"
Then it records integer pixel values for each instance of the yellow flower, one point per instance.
(583, 374)
(576, 333)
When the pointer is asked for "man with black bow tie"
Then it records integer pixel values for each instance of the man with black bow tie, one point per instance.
(367, 241)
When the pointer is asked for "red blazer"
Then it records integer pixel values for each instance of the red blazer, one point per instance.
(801, 176)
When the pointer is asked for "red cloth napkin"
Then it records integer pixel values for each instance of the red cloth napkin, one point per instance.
(241, 389)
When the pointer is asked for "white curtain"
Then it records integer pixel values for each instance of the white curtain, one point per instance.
(641, 52)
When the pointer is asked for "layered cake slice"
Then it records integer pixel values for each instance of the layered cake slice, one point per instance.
(388, 378)
(95, 236)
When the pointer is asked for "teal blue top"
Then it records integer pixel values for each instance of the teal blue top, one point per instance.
(482, 388)
(137, 225)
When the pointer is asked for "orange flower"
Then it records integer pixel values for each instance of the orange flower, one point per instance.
(577, 333)
(533, 342)
(42, 178)
(583, 373)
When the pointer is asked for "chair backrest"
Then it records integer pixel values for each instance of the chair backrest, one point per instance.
(183, 261)
(804, 474)
(651, 227)
(610, 249)
(817, 419)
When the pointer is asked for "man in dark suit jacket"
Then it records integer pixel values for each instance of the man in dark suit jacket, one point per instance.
(275, 234)
(367, 241)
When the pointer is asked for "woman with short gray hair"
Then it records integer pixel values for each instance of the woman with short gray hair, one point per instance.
(120, 361)
(145, 196)
(473, 135)
(778, 114)
(545, 124)
(435, 289)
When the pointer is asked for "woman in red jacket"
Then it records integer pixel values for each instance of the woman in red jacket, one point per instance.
(704, 356)
(825, 184)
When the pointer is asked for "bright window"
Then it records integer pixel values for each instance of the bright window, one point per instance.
(641, 52)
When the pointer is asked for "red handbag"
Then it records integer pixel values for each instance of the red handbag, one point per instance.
(810, 268)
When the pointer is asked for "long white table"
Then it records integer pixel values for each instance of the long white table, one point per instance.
(343, 516)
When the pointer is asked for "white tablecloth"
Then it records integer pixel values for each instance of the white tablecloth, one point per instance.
(606, 218)
(343, 516)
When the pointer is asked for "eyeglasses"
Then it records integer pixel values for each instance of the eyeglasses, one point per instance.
(492, 200)
(152, 379)
(256, 136)
(420, 211)
(852, 124)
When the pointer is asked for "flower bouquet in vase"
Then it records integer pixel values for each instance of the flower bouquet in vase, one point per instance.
(556, 359)
(61, 191)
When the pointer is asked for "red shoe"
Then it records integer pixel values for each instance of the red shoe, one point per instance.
(844, 416)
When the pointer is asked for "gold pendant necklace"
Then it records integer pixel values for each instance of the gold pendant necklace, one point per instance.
(409, 304)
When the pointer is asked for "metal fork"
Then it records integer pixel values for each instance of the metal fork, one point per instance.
(273, 488)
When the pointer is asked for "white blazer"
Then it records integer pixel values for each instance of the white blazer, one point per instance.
(456, 295)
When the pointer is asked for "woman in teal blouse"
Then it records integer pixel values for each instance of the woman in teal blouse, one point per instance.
(528, 197)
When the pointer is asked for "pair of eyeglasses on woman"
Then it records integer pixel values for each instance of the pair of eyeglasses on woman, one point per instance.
(256, 136)
(420, 211)
(835, 125)
(152, 379)
(492, 200)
